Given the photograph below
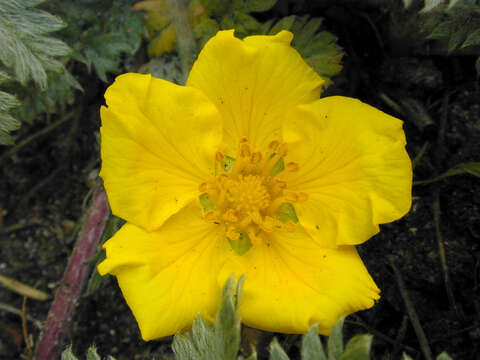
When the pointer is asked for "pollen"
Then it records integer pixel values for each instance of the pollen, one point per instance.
(247, 198)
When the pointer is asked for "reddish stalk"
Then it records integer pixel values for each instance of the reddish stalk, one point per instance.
(74, 278)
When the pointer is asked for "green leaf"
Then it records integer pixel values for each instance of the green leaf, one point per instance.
(204, 30)
(335, 341)
(113, 225)
(227, 329)
(472, 168)
(286, 212)
(216, 7)
(184, 348)
(7, 101)
(25, 48)
(241, 245)
(477, 66)
(318, 48)
(245, 24)
(442, 30)
(444, 356)
(276, 351)
(168, 68)
(358, 348)
(7, 122)
(472, 39)
(312, 348)
(203, 337)
(4, 77)
(67, 354)
(285, 23)
(258, 5)
(405, 356)
(306, 31)
(456, 38)
(92, 353)
(430, 4)
(252, 356)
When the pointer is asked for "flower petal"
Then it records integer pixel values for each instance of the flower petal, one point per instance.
(168, 276)
(353, 166)
(253, 82)
(292, 283)
(158, 144)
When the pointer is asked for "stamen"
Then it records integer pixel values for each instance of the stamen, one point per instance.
(292, 167)
(232, 233)
(302, 197)
(219, 156)
(274, 145)
(203, 187)
(245, 150)
(256, 158)
(282, 150)
(247, 199)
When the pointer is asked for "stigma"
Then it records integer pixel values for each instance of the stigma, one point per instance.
(246, 197)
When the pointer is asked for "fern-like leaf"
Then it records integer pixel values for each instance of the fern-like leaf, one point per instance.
(25, 47)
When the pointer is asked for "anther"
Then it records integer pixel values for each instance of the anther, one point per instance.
(280, 184)
(245, 150)
(290, 197)
(232, 233)
(256, 158)
(274, 145)
(301, 197)
(230, 216)
(211, 216)
(219, 156)
(282, 150)
(289, 226)
(203, 187)
(292, 167)
(256, 217)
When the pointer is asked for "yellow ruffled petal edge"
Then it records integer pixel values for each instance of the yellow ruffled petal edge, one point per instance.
(168, 276)
(353, 166)
(291, 283)
(158, 144)
(253, 82)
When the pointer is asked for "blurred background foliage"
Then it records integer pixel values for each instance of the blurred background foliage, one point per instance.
(43, 43)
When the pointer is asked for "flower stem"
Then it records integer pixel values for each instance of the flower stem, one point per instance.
(186, 45)
(74, 278)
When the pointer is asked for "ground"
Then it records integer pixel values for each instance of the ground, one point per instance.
(45, 188)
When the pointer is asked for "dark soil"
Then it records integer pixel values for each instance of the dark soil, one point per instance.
(44, 187)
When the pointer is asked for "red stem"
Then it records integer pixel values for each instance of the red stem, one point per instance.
(74, 278)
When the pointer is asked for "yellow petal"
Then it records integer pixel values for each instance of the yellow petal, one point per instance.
(292, 283)
(158, 145)
(353, 166)
(253, 82)
(168, 276)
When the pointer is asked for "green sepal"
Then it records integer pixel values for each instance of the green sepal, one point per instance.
(241, 245)
(312, 348)
(227, 164)
(277, 352)
(335, 341)
(207, 202)
(358, 348)
(286, 212)
(278, 167)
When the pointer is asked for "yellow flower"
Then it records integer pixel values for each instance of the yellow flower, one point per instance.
(246, 171)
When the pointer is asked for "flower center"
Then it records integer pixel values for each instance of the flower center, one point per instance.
(247, 199)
